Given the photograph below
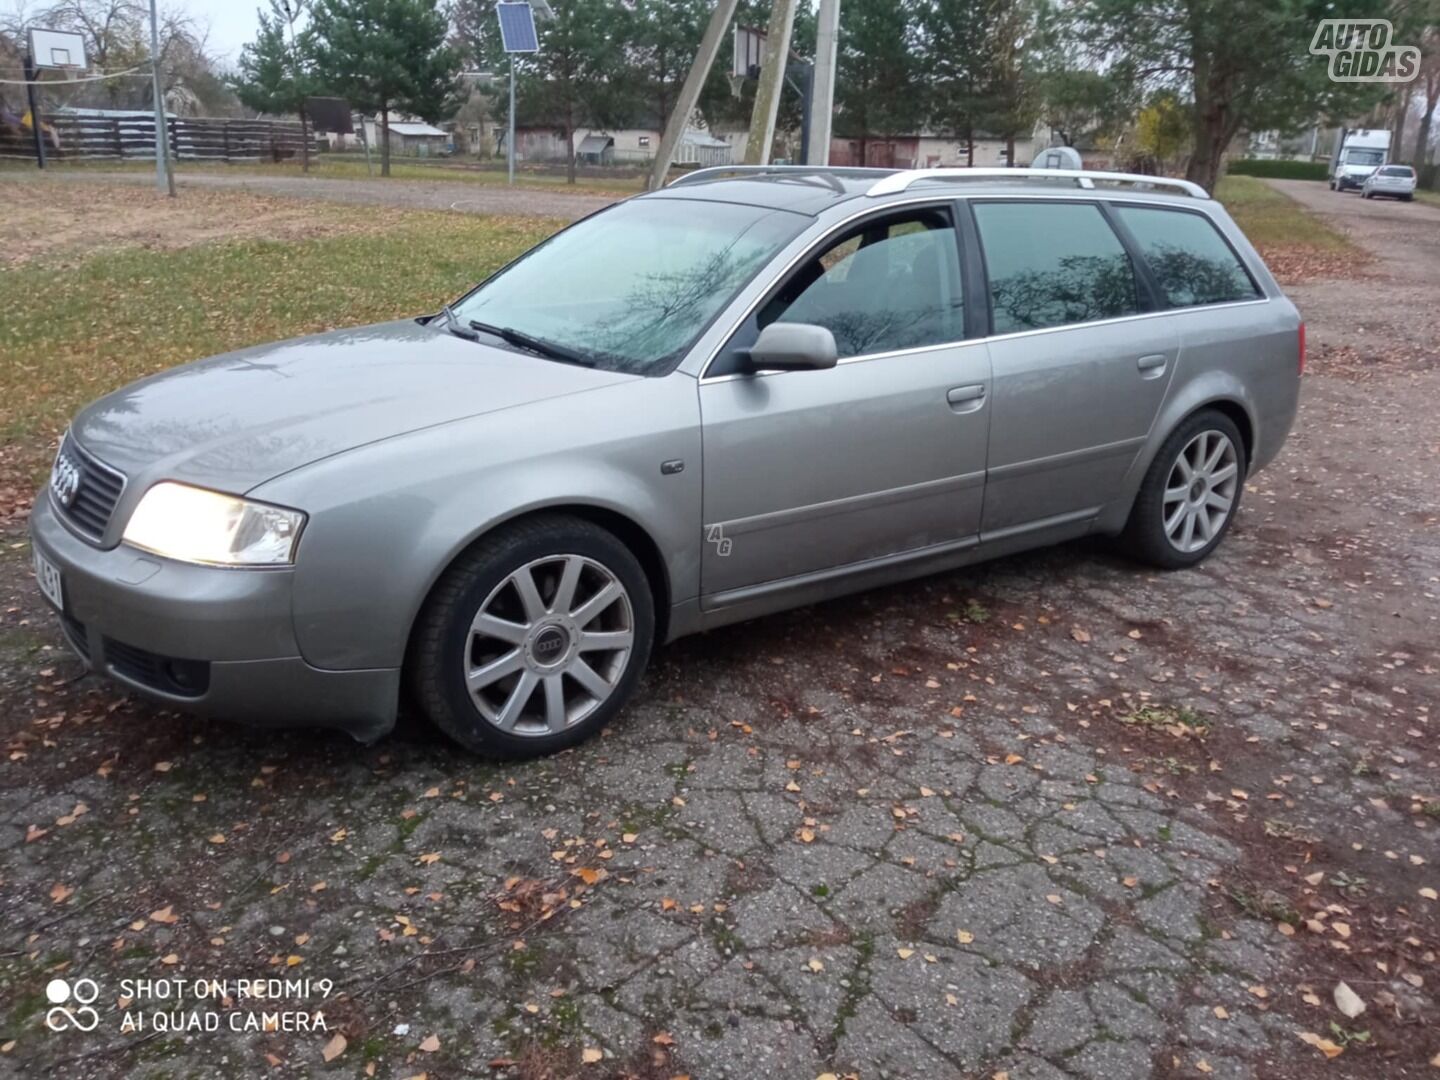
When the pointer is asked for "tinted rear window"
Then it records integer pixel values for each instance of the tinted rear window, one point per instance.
(1053, 263)
(1190, 258)
(1397, 170)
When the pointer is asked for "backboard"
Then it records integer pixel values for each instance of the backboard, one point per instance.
(517, 27)
(57, 49)
(749, 52)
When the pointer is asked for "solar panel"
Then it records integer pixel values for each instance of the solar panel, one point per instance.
(517, 28)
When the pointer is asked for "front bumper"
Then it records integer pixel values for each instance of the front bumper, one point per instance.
(207, 640)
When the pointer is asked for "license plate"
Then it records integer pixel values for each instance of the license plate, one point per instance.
(48, 575)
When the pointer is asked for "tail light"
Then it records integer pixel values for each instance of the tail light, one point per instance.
(1302, 349)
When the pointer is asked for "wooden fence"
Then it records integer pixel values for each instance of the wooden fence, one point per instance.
(131, 136)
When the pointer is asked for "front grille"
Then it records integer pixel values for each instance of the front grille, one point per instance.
(183, 678)
(75, 634)
(87, 500)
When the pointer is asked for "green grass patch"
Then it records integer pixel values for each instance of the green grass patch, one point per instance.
(325, 167)
(1274, 220)
(70, 333)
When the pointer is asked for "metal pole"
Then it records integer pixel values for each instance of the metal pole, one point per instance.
(772, 77)
(32, 75)
(822, 94)
(690, 91)
(807, 95)
(510, 137)
(164, 181)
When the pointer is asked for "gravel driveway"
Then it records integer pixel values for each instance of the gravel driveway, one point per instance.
(472, 198)
(1057, 816)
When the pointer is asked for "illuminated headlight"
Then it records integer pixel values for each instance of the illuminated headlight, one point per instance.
(199, 526)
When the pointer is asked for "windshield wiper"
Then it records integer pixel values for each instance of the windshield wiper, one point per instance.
(534, 344)
(452, 323)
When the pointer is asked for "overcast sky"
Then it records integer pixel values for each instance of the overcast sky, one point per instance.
(232, 23)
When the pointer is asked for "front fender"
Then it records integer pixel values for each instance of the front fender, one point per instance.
(388, 518)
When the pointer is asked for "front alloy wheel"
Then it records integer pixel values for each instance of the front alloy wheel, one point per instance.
(549, 645)
(533, 639)
(1190, 493)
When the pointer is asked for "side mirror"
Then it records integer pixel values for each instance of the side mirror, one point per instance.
(784, 346)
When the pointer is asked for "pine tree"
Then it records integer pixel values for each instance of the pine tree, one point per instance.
(386, 55)
(275, 75)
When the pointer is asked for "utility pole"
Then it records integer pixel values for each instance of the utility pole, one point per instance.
(164, 179)
(772, 80)
(822, 89)
(690, 91)
(510, 135)
(32, 97)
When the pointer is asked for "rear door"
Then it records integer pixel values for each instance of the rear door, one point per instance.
(1081, 360)
(814, 471)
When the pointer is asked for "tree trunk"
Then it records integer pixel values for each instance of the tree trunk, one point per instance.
(385, 138)
(1010, 150)
(304, 140)
(969, 148)
(570, 145)
(1422, 137)
(1212, 131)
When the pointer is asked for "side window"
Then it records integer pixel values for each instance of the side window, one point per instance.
(1053, 263)
(892, 283)
(1190, 258)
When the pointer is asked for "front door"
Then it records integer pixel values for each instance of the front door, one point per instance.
(809, 471)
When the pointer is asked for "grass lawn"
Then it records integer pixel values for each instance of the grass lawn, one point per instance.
(326, 167)
(1431, 197)
(1273, 220)
(73, 329)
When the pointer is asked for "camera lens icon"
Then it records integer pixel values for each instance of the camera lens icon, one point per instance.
(62, 1015)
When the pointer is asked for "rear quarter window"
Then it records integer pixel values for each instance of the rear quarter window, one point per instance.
(1190, 259)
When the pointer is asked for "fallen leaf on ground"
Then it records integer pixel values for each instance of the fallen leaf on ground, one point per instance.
(334, 1048)
(430, 1044)
(1325, 1046)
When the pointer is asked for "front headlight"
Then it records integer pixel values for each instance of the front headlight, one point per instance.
(199, 526)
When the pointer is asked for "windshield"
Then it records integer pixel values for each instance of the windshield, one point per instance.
(633, 287)
(1364, 157)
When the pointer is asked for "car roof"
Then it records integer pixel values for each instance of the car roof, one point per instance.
(812, 191)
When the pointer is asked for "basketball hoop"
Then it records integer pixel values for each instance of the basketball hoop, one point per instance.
(57, 50)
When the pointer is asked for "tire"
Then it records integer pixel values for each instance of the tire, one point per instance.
(528, 650)
(1198, 437)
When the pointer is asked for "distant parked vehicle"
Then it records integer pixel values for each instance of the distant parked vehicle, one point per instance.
(1361, 152)
(1395, 181)
(751, 390)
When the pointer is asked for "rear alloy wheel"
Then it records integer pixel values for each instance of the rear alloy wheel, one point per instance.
(1190, 493)
(534, 639)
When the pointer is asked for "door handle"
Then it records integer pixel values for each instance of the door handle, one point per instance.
(1152, 366)
(960, 394)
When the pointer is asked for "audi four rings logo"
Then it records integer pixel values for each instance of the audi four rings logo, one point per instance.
(64, 1015)
(65, 479)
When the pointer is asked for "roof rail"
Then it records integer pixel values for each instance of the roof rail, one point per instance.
(901, 181)
(714, 172)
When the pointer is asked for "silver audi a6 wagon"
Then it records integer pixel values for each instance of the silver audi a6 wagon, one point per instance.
(751, 390)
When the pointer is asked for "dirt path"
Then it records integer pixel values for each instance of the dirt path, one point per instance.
(473, 198)
(1056, 816)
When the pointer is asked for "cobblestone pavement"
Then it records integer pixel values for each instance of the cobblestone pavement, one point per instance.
(470, 198)
(1057, 816)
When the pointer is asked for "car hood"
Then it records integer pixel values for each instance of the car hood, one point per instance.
(238, 419)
